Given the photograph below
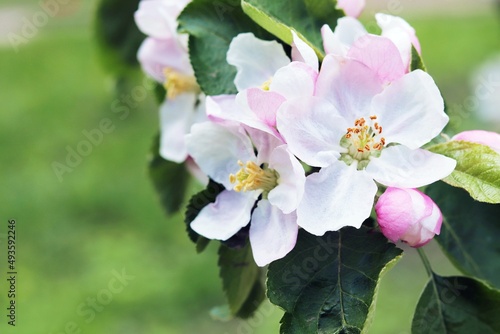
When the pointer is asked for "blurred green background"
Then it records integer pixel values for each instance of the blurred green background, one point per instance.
(103, 218)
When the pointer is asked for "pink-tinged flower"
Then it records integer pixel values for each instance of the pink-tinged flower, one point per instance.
(351, 7)
(273, 177)
(265, 79)
(350, 33)
(488, 138)
(359, 131)
(164, 56)
(408, 215)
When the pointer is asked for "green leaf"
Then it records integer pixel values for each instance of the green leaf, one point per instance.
(198, 202)
(305, 17)
(328, 284)
(241, 279)
(212, 26)
(469, 232)
(117, 34)
(477, 171)
(456, 305)
(417, 63)
(169, 178)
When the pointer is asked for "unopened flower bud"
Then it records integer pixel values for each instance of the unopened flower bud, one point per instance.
(408, 215)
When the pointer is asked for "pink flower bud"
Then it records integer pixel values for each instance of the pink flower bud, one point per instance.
(351, 7)
(408, 215)
(491, 139)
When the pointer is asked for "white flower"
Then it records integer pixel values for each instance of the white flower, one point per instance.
(361, 131)
(265, 79)
(164, 56)
(273, 177)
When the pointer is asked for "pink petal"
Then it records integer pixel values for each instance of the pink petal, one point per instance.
(349, 85)
(264, 104)
(408, 215)
(351, 7)
(488, 138)
(348, 30)
(380, 55)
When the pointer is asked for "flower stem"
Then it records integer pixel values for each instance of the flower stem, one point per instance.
(425, 261)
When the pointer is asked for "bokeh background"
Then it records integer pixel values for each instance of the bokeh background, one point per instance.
(77, 233)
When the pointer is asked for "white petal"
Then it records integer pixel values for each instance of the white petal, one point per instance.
(399, 166)
(411, 110)
(400, 32)
(222, 219)
(273, 234)
(256, 60)
(335, 197)
(312, 128)
(264, 144)
(176, 118)
(156, 55)
(295, 80)
(349, 85)
(158, 18)
(348, 30)
(217, 148)
(302, 52)
(288, 194)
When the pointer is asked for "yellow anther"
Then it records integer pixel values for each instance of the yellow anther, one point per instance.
(177, 83)
(253, 177)
(267, 84)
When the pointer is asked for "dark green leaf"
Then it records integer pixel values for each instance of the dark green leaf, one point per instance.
(117, 33)
(305, 17)
(328, 284)
(198, 202)
(417, 63)
(170, 180)
(241, 279)
(469, 232)
(212, 26)
(456, 305)
(477, 171)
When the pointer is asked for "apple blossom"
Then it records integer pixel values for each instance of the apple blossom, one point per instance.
(359, 130)
(488, 138)
(351, 7)
(273, 178)
(408, 215)
(164, 56)
(265, 79)
(350, 33)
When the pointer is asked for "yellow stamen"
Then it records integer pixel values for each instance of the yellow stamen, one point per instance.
(177, 83)
(253, 177)
(266, 85)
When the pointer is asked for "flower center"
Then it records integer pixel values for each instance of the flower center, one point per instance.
(177, 83)
(253, 177)
(362, 141)
(267, 85)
